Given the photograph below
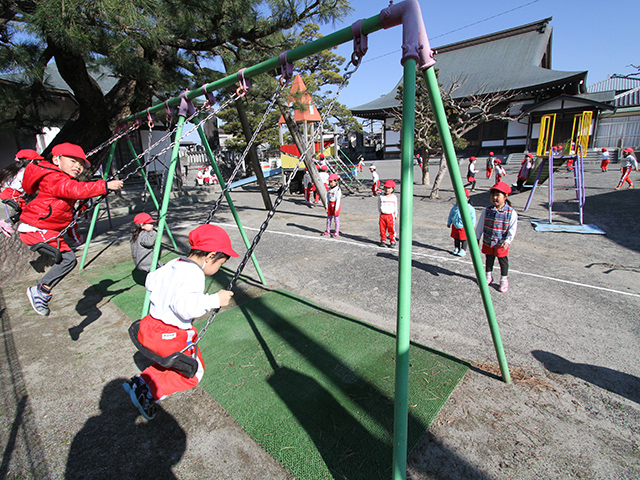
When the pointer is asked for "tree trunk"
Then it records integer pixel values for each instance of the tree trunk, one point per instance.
(298, 139)
(435, 191)
(426, 179)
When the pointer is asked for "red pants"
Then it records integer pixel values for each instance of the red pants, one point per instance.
(164, 340)
(31, 238)
(307, 195)
(387, 223)
(625, 177)
(375, 187)
(489, 172)
(604, 165)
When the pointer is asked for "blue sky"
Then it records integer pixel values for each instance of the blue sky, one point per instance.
(587, 35)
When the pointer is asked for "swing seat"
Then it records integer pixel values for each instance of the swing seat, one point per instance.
(48, 250)
(15, 206)
(185, 364)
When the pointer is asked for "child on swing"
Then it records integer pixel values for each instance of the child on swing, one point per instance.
(11, 188)
(143, 239)
(177, 297)
(51, 211)
(497, 226)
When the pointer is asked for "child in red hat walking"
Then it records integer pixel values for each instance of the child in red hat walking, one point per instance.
(629, 162)
(51, 211)
(497, 226)
(11, 191)
(143, 239)
(177, 297)
(604, 164)
(388, 209)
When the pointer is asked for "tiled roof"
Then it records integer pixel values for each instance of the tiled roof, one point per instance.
(628, 99)
(616, 83)
(513, 59)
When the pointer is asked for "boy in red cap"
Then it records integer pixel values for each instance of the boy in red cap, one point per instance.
(497, 226)
(375, 178)
(628, 162)
(51, 211)
(177, 296)
(334, 201)
(471, 173)
(143, 239)
(490, 164)
(11, 192)
(388, 209)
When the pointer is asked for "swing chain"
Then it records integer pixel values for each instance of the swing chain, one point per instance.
(233, 175)
(276, 204)
(147, 162)
(120, 132)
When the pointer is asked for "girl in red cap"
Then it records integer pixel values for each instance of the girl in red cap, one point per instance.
(177, 297)
(375, 178)
(334, 200)
(143, 239)
(500, 171)
(388, 209)
(11, 191)
(497, 226)
(51, 211)
(457, 228)
(628, 162)
(604, 164)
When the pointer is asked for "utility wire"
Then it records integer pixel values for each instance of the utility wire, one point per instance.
(458, 29)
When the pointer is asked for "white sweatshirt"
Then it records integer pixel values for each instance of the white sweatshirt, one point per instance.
(177, 293)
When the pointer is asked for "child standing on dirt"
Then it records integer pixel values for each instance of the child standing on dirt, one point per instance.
(11, 190)
(490, 165)
(177, 297)
(51, 211)
(143, 239)
(471, 173)
(497, 226)
(334, 201)
(457, 228)
(500, 171)
(375, 187)
(388, 209)
(629, 162)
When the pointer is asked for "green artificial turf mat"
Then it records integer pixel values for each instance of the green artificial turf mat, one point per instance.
(315, 388)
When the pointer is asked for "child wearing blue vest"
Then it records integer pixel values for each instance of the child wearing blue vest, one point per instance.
(497, 226)
(457, 228)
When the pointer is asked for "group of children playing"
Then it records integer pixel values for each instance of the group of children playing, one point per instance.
(177, 289)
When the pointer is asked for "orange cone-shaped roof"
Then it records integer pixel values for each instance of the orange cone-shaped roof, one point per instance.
(311, 114)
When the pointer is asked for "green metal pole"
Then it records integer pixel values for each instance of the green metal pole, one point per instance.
(151, 194)
(458, 188)
(401, 411)
(232, 207)
(162, 216)
(94, 217)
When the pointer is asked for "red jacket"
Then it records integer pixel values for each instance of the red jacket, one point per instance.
(52, 209)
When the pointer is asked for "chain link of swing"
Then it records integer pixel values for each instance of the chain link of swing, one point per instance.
(198, 111)
(356, 64)
(274, 99)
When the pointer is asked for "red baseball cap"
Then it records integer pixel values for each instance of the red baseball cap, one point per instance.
(604, 149)
(28, 154)
(324, 168)
(334, 176)
(491, 154)
(502, 187)
(497, 160)
(472, 158)
(321, 155)
(529, 155)
(628, 150)
(69, 150)
(211, 238)
(390, 184)
(143, 218)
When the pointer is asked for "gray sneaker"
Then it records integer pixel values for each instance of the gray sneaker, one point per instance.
(141, 397)
(39, 300)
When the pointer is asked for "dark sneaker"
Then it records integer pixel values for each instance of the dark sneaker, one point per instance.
(392, 245)
(39, 300)
(382, 244)
(141, 397)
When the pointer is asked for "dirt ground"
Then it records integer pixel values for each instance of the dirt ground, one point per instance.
(569, 325)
